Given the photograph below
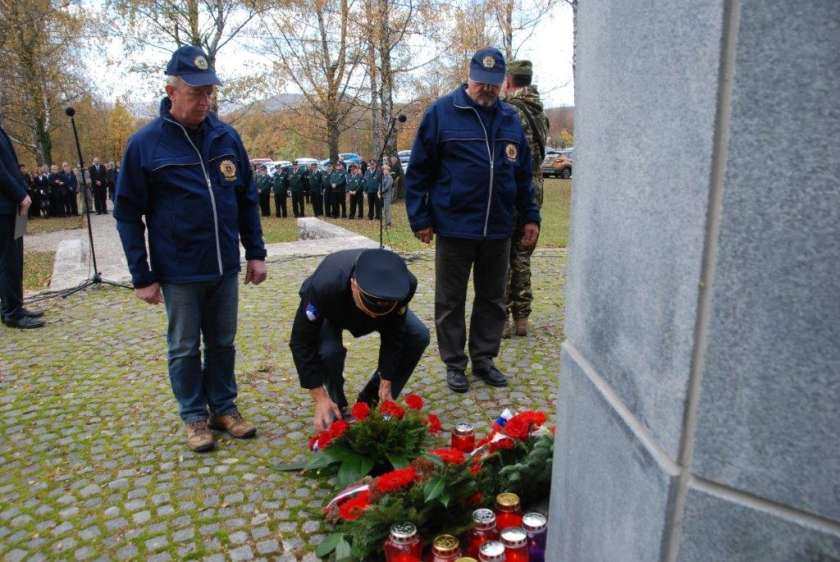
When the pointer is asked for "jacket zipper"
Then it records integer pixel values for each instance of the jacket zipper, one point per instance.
(492, 165)
(210, 190)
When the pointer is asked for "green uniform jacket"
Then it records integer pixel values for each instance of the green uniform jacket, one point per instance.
(372, 181)
(281, 183)
(338, 180)
(315, 182)
(356, 184)
(263, 184)
(296, 181)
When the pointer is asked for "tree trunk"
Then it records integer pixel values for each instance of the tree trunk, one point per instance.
(386, 97)
(375, 129)
(333, 135)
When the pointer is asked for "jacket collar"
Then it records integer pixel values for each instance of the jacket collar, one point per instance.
(210, 122)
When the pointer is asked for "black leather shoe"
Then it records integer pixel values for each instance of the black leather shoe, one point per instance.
(25, 323)
(32, 312)
(457, 380)
(491, 376)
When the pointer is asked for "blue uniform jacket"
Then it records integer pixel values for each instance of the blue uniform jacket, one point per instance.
(464, 180)
(198, 201)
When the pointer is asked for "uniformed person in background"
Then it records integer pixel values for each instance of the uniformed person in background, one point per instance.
(264, 189)
(361, 291)
(42, 187)
(325, 191)
(72, 189)
(280, 187)
(356, 188)
(296, 185)
(518, 91)
(338, 183)
(373, 183)
(314, 180)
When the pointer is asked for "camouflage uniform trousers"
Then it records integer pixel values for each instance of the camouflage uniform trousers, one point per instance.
(518, 296)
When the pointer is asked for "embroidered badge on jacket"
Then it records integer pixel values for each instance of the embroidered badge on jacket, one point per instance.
(228, 169)
(511, 152)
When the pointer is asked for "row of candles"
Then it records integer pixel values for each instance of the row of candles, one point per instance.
(500, 535)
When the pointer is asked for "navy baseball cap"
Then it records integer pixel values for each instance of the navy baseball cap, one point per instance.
(488, 66)
(190, 64)
(382, 276)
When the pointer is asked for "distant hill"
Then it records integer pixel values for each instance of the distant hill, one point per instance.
(271, 105)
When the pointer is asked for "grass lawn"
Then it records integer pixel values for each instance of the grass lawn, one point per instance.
(41, 225)
(279, 230)
(37, 270)
(554, 232)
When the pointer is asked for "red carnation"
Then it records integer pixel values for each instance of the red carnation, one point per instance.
(517, 428)
(324, 439)
(338, 428)
(534, 418)
(353, 508)
(414, 402)
(396, 480)
(434, 423)
(475, 499)
(475, 468)
(450, 456)
(360, 410)
(391, 408)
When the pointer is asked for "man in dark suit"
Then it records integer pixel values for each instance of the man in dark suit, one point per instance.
(42, 187)
(72, 206)
(13, 201)
(99, 181)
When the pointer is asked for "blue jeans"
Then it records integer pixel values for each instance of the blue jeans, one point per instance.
(415, 338)
(194, 310)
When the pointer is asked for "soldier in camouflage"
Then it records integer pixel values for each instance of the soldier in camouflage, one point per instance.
(524, 97)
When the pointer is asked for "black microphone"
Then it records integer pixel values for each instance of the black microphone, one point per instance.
(70, 112)
(402, 118)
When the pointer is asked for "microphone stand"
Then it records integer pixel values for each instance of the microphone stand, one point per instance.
(97, 277)
(391, 128)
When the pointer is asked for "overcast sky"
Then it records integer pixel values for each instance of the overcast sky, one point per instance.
(549, 48)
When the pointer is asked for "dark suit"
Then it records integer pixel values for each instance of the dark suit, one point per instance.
(99, 181)
(12, 193)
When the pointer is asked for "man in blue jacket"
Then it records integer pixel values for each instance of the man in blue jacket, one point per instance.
(13, 202)
(187, 173)
(470, 168)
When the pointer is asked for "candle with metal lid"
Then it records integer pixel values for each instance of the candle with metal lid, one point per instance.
(536, 525)
(445, 548)
(508, 512)
(463, 438)
(483, 531)
(516, 544)
(493, 551)
(403, 543)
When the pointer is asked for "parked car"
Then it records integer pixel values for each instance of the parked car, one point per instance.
(557, 163)
(349, 157)
(278, 165)
(305, 161)
(257, 162)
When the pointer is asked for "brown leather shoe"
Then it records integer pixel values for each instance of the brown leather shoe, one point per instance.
(506, 333)
(233, 423)
(521, 328)
(199, 436)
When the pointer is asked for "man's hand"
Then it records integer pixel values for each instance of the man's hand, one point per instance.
(24, 205)
(150, 294)
(255, 272)
(384, 390)
(326, 411)
(530, 233)
(425, 235)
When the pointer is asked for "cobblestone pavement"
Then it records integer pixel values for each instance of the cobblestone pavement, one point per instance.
(92, 459)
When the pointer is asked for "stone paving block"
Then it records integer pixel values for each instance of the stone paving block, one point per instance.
(135, 482)
(241, 554)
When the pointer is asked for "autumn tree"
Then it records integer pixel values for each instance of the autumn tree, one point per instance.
(165, 25)
(39, 48)
(516, 20)
(315, 49)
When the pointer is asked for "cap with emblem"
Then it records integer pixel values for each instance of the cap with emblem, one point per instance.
(190, 64)
(382, 275)
(520, 68)
(488, 66)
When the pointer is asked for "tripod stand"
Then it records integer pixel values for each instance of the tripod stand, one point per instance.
(96, 279)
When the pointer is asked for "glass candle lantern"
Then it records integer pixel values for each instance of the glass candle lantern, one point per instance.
(536, 525)
(516, 544)
(403, 544)
(508, 513)
(445, 548)
(483, 531)
(493, 551)
(463, 438)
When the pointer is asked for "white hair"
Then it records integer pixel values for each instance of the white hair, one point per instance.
(175, 81)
